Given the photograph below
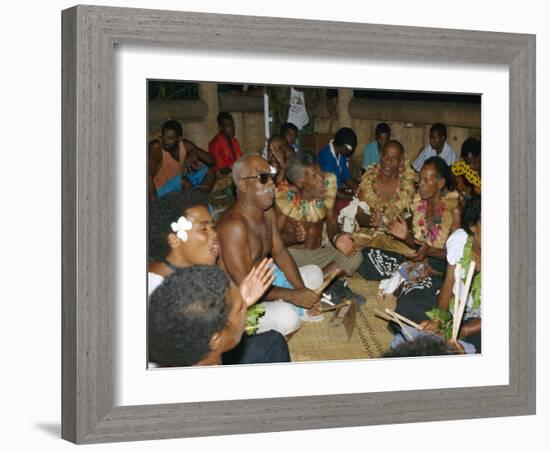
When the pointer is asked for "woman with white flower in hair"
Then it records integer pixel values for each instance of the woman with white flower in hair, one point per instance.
(182, 234)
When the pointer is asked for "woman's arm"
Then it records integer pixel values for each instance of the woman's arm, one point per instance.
(470, 328)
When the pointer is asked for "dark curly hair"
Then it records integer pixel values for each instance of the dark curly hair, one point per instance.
(162, 213)
(184, 312)
(424, 345)
(346, 136)
(173, 125)
(471, 213)
(439, 128)
(470, 146)
(224, 115)
(382, 128)
(442, 169)
(287, 126)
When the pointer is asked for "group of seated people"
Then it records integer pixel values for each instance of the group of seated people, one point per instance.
(281, 238)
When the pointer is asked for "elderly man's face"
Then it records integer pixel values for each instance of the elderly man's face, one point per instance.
(390, 160)
(259, 184)
(430, 184)
(314, 181)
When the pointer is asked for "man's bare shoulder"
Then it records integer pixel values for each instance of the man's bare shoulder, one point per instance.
(154, 143)
(232, 221)
(190, 145)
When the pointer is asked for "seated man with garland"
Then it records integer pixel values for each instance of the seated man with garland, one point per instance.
(303, 205)
(434, 212)
(387, 187)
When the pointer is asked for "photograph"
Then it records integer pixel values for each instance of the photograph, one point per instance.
(298, 223)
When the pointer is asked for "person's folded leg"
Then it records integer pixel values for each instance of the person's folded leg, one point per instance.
(350, 264)
(268, 347)
(282, 316)
(279, 316)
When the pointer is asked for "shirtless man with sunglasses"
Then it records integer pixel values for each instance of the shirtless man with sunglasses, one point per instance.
(248, 232)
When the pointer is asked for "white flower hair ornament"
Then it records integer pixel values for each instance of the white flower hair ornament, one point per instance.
(181, 227)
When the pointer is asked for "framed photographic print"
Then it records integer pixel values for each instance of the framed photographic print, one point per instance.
(110, 58)
(205, 115)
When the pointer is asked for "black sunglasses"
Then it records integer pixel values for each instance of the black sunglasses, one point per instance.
(263, 177)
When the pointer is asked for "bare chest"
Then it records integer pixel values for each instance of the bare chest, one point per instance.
(260, 239)
(386, 190)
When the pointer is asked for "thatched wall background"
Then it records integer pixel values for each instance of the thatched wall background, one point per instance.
(410, 121)
(199, 121)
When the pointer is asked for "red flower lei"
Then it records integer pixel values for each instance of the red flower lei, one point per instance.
(433, 233)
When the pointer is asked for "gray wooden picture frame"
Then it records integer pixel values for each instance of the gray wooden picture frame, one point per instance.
(89, 36)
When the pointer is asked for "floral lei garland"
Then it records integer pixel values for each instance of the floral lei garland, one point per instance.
(399, 202)
(437, 235)
(461, 167)
(292, 205)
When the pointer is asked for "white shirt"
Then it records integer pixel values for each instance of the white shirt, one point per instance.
(336, 156)
(448, 154)
(153, 281)
(333, 151)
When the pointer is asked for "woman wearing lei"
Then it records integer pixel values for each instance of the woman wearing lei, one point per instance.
(426, 231)
(463, 247)
(387, 187)
(467, 170)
